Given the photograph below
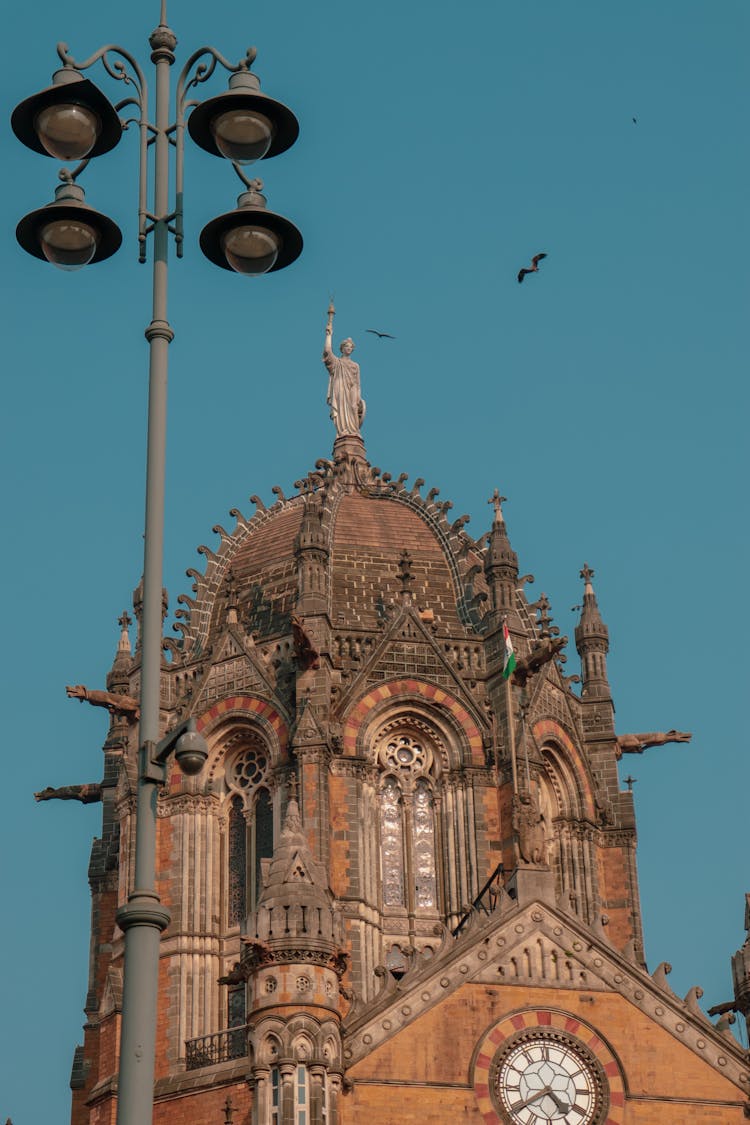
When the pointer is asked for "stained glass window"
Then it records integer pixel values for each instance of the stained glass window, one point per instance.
(425, 890)
(236, 1006)
(392, 843)
(263, 817)
(237, 863)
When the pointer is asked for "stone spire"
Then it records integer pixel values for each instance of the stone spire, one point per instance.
(592, 642)
(295, 917)
(501, 565)
(118, 676)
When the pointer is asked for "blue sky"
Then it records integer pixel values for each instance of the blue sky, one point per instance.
(606, 397)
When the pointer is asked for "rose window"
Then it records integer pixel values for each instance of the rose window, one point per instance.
(248, 769)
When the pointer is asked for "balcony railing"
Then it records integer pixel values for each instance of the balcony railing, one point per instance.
(486, 900)
(222, 1046)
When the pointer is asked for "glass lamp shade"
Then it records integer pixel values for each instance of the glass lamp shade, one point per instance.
(68, 244)
(251, 240)
(70, 120)
(242, 135)
(67, 131)
(251, 250)
(68, 233)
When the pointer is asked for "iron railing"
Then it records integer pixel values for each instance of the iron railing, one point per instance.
(222, 1046)
(486, 900)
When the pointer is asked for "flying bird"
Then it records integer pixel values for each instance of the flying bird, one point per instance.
(635, 120)
(380, 335)
(534, 267)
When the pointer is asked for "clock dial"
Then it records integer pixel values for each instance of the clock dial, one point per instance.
(542, 1078)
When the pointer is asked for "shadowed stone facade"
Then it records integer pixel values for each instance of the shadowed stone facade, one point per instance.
(396, 865)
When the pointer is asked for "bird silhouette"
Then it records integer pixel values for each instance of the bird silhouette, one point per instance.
(380, 335)
(534, 267)
(635, 120)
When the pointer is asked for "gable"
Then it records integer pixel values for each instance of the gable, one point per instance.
(539, 958)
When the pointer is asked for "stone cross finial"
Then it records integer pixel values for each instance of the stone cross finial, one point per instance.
(293, 787)
(124, 620)
(545, 617)
(587, 574)
(496, 500)
(228, 1111)
(630, 782)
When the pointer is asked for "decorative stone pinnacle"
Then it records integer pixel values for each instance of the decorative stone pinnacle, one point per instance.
(405, 575)
(231, 596)
(587, 574)
(292, 819)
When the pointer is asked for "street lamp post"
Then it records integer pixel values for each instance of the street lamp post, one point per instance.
(73, 121)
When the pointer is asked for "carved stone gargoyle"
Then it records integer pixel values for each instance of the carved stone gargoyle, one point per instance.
(547, 649)
(637, 743)
(87, 794)
(124, 706)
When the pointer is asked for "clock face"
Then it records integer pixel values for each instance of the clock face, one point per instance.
(541, 1078)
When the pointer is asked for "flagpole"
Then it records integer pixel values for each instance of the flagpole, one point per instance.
(509, 663)
(511, 733)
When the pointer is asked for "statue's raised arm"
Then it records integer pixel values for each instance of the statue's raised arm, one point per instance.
(344, 392)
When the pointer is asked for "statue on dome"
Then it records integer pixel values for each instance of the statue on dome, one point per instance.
(344, 393)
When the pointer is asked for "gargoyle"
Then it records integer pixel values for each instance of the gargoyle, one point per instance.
(236, 975)
(122, 705)
(546, 650)
(637, 743)
(87, 794)
(305, 651)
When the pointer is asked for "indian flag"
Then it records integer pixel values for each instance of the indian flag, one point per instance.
(509, 656)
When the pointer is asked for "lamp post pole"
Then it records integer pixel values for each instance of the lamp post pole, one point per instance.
(73, 120)
(143, 918)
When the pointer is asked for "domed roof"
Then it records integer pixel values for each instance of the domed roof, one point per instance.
(364, 528)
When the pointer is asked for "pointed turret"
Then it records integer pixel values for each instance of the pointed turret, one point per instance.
(117, 678)
(501, 565)
(296, 920)
(592, 642)
(293, 962)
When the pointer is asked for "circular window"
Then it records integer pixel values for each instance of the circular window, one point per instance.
(405, 754)
(248, 769)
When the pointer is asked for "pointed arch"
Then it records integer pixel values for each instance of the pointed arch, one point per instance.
(430, 699)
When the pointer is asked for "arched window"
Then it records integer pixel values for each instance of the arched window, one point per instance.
(250, 830)
(407, 820)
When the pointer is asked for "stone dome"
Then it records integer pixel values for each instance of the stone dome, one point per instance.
(351, 543)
